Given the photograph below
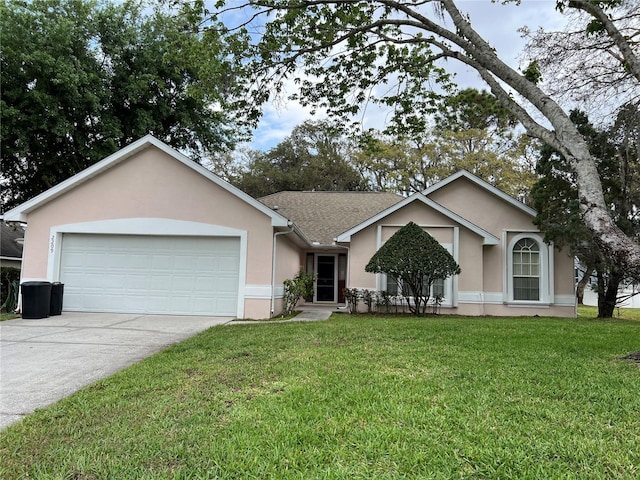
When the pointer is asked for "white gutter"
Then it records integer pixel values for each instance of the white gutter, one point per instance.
(273, 264)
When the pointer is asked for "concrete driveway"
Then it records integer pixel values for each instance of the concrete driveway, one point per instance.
(42, 361)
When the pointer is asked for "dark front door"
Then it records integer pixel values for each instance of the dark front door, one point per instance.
(326, 278)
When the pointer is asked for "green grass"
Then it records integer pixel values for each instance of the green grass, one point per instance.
(8, 316)
(355, 397)
(585, 311)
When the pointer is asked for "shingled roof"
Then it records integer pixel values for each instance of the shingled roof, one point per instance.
(322, 216)
(9, 246)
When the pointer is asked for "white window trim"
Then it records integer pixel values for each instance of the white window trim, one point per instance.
(546, 270)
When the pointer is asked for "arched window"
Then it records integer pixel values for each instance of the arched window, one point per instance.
(526, 270)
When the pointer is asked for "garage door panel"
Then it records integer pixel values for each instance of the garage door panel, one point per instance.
(150, 274)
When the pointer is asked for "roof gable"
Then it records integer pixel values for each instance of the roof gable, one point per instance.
(488, 238)
(485, 185)
(19, 213)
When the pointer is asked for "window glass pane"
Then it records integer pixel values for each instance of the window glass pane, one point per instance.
(526, 288)
(535, 264)
(517, 263)
(438, 288)
(392, 285)
(526, 270)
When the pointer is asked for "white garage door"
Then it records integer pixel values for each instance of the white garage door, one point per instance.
(150, 274)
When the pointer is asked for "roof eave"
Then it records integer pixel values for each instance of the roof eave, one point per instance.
(488, 238)
(19, 213)
(481, 183)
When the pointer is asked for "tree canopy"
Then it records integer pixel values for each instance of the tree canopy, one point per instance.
(82, 78)
(314, 157)
(345, 54)
(471, 131)
(581, 64)
(416, 260)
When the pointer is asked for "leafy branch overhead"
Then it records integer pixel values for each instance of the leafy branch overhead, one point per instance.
(347, 54)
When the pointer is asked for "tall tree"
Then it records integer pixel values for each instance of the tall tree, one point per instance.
(314, 157)
(556, 199)
(82, 78)
(348, 48)
(472, 131)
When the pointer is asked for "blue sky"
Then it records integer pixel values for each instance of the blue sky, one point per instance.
(496, 22)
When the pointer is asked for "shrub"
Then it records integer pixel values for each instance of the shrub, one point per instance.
(368, 296)
(300, 286)
(417, 260)
(352, 296)
(10, 281)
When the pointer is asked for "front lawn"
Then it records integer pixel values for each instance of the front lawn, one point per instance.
(585, 311)
(355, 397)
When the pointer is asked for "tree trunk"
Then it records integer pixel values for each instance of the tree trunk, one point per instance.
(584, 281)
(608, 294)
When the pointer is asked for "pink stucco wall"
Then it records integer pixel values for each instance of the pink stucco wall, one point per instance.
(481, 284)
(480, 207)
(152, 184)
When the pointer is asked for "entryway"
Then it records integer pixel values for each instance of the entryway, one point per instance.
(330, 271)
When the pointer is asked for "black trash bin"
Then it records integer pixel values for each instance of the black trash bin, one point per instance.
(36, 299)
(57, 292)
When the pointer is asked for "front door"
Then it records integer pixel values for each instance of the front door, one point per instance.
(326, 285)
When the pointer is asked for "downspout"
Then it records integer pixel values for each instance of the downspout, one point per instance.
(273, 265)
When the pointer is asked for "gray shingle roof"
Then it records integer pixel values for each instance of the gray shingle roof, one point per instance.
(9, 247)
(322, 216)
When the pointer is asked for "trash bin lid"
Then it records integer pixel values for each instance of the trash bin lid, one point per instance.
(35, 283)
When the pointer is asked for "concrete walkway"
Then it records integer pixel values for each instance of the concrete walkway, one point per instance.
(42, 361)
(309, 313)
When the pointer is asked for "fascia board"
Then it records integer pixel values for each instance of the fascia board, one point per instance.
(489, 239)
(19, 213)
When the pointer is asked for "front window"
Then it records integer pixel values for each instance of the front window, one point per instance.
(526, 270)
(392, 285)
(437, 288)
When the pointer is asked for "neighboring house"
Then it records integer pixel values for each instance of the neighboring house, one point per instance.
(630, 295)
(148, 230)
(11, 240)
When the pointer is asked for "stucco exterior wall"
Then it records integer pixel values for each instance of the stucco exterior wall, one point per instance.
(564, 273)
(152, 184)
(480, 207)
(290, 260)
(366, 242)
(482, 288)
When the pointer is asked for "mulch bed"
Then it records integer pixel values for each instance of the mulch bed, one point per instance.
(632, 356)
